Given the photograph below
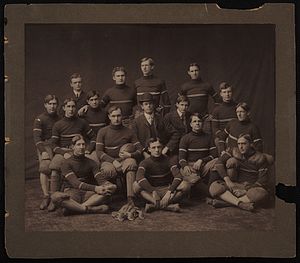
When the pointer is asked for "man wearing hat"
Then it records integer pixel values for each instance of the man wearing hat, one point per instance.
(197, 152)
(149, 124)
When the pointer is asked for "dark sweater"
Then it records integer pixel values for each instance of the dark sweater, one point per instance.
(80, 173)
(222, 114)
(96, 118)
(121, 96)
(111, 138)
(156, 87)
(234, 129)
(153, 172)
(194, 146)
(65, 129)
(198, 91)
(42, 129)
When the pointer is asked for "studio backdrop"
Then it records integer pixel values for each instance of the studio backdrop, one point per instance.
(242, 55)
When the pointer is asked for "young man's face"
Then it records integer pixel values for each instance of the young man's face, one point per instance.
(196, 124)
(115, 117)
(155, 149)
(76, 84)
(148, 107)
(226, 94)
(51, 106)
(94, 102)
(70, 109)
(194, 72)
(241, 114)
(182, 106)
(243, 145)
(79, 147)
(146, 68)
(119, 77)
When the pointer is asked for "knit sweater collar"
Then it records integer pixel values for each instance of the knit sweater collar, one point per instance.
(51, 115)
(120, 86)
(116, 127)
(78, 157)
(148, 77)
(157, 159)
(70, 118)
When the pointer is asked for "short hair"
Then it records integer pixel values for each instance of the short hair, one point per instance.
(50, 97)
(115, 69)
(92, 93)
(74, 76)
(244, 106)
(194, 64)
(68, 100)
(152, 140)
(151, 61)
(77, 138)
(196, 114)
(246, 136)
(113, 108)
(224, 85)
(182, 98)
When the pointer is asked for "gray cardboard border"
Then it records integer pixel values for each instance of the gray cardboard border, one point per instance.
(20, 244)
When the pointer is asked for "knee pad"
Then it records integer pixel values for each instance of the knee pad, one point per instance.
(44, 167)
(257, 194)
(108, 171)
(58, 197)
(231, 163)
(129, 165)
(56, 162)
(217, 188)
(184, 187)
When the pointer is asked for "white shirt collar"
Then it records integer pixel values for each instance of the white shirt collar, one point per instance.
(179, 113)
(149, 117)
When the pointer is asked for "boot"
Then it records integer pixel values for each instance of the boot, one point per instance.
(149, 208)
(173, 208)
(45, 202)
(51, 207)
(246, 206)
(100, 209)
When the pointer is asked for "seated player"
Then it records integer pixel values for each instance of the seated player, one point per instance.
(121, 96)
(42, 130)
(62, 133)
(148, 125)
(241, 180)
(85, 191)
(118, 150)
(158, 182)
(197, 152)
(157, 87)
(223, 113)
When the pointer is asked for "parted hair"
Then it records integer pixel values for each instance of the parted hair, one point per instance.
(49, 98)
(196, 114)
(152, 140)
(68, 100)
(194, 64)
(151, 61)
(224, 85)
(74, 76)
(181, 98)
(244, 106)
(77, 138)
(246, 136)
(120, 68)
(92, 93)
(113, 108)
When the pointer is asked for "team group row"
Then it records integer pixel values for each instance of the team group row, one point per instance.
(129, 133)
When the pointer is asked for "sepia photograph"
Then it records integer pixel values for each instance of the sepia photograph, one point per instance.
(152, 128)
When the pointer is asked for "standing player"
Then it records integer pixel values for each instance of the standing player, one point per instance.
(157, 87)
(198, 91)
(81, 192)
(158, 182)
(223, 113)
(121, 96)
(42, 131)
(118, 150)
